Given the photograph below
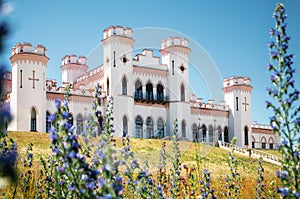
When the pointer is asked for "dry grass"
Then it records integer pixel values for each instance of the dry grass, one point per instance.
(212, 158)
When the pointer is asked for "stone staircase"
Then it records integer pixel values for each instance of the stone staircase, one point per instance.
(251, 153)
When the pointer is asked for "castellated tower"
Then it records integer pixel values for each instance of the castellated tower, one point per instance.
(28, 96)
(117, 48)
(175, 54)
(237, 95)
(71, 68)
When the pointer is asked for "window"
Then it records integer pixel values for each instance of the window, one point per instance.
(183, 128)
(139, 127)
(33, 120)
(172, 67)
(246, 135)
(203, 133)
(138, 90)
(195, 133)
(107, 86)
(160, 92)
(160, 128)
(149, 91)
(253, 142)
(79, 122)
(182, 93)
(125, 126)
(124, 86)
(237, 103)
(226, 135)
(150, 131)
(219, 133)
(21, 79)
(48, 122)
(263, 142)
(271, 141)
(210, 134)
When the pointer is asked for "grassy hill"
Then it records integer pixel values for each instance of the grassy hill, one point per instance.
(211, 158)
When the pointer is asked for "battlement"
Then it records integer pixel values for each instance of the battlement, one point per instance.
(72, 59)
(261, 126)
(198, 103)
(237, 80)
(26, 47)
(174, 41)
(117, 30)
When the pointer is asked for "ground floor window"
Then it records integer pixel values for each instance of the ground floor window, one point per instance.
(271, 146)
(263, 145)
(33, 120)
(253, 145)
(139, 127)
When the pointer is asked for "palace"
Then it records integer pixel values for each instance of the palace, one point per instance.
(148, 92)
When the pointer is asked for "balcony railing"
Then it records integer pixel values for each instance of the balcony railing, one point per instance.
(150, 98)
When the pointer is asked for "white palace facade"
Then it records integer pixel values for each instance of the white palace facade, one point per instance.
(148, 93)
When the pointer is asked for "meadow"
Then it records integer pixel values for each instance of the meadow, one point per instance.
(211, 158)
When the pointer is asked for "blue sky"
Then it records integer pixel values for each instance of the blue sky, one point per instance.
(233, 33)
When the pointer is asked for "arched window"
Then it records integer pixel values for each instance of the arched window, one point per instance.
(226, 134)
(195, 133)
(253, 142)
(125, 126)
(149, 91)
(139, 127)
(263, 142)
(203, 133)
(79, 121)
(219, 133)
(33, 120)
(150, 131)
(182, 93)
(183, 128)
(107, 86)
(160, 128)
(138, 90)
(160, 92)
(70, 119)
(210, 134)
(48, 122)
(271, 143)
(124, 86)
(246, 135)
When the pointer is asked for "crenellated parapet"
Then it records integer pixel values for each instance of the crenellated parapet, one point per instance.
(73, 67)
(119, 33)
(24, 52)
(72, 59)
(175, 44)
(237, 83)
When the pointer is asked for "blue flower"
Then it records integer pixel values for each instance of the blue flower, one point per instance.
(57, 103)
(65, 114)
(297, 194)
(71, 154)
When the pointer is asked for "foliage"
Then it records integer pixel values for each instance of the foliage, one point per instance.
(286, 108)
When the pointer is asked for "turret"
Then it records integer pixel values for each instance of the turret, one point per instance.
(28, 94)
(175, 54)
(237, 95)
(118, 66)
(73, 67)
